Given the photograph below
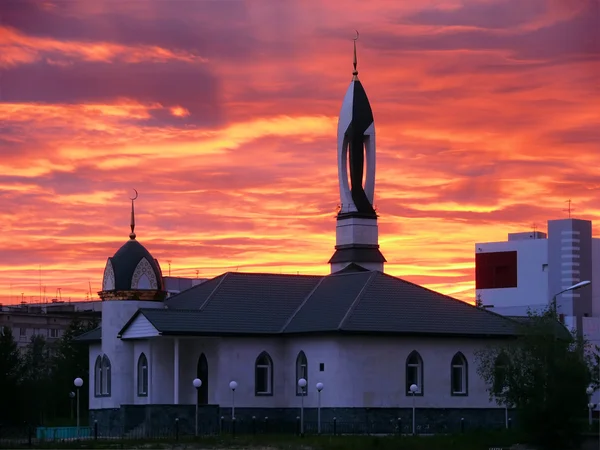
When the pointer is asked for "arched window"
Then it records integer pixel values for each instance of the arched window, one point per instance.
(106, 376)
(142, 376)
(500, 373)
(263, 382)
(459, 375)
(414, 373)
(301, 372)
(98, 377)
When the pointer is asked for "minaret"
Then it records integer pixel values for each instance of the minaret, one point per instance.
(356, 231)
(132, 280)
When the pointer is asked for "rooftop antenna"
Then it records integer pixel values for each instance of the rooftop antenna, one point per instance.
(197, 272)
(534, 226)
(133, 199)
(169, 262)
(40, 283)
(569, 208)
(90, 285)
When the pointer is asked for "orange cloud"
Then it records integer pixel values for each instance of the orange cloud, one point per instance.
(224, 119)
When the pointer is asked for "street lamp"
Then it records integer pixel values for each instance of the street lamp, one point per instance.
(302, 385)
(72, 397)
(570, 288)
(589, 391)
(78, 382)
(319, 389)
(505, 395)
(413, 390)
(233, 386)
(197, 382)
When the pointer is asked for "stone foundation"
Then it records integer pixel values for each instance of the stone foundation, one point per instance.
(167, 420)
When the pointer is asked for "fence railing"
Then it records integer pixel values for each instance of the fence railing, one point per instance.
(25, 436)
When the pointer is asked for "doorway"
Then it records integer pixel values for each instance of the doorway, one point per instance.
(202, 373)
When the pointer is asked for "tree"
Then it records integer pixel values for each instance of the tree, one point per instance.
(36, 379)
(10, 375)
(543, 373)
(71, 361)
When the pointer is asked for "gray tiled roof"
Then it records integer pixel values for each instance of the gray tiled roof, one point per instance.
(94, 335)
(353, 302)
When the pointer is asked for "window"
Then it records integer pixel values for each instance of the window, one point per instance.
(321, 367)
(106, 376)
(500, 373)
(53, 332)
(414, 373)
(301, 372)
(496, 270)
(458, 374)
(98, 377)
(142, 376)
(263, 383)
(22, 331)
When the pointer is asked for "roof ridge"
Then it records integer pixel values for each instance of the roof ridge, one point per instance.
(193, 287)
(207, 299)
(308, 296)
(357, 299)
(277, 274)
(468, 305)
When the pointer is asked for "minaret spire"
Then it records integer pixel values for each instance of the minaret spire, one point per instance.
(355, 72)
(133, 199)
(357, 235)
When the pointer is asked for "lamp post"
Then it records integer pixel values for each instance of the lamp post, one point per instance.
(505, 395)
(589, 391)
(233, 386)
(197, 382)
(570, 288)
(78, 382)
(413, 390)
(302, 385)
(72, 397)
(319, 389)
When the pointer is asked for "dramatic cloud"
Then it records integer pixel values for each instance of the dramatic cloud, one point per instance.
(223, 116)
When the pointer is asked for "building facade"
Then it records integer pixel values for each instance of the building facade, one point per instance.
(367, 336)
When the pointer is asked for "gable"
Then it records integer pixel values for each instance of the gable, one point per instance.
(140, 328)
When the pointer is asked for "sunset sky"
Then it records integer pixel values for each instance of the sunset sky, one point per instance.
(223, 115)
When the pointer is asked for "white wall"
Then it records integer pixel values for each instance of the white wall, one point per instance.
(115, 313)
(366, 371)
(532, 276)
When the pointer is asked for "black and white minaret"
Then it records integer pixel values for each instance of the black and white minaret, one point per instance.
(356, 232)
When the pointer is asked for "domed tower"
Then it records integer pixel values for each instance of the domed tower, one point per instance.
(132, 280)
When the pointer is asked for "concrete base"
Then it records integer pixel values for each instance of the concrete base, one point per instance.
(135, 421)
(356, 230)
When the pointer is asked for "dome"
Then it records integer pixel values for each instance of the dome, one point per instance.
(132, 273)
(132, 268)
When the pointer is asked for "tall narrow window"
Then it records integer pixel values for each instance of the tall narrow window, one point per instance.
(106, 376)
(98, 377)
(142, 376)
(263, 384)
(301, 372)
(459, 375)
(414, 373)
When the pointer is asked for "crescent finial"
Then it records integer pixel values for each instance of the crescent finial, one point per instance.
(355, 71)
(132, 234)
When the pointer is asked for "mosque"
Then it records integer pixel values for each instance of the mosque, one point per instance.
(375, 344)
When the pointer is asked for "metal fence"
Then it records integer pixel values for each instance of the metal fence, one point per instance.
(30, 436)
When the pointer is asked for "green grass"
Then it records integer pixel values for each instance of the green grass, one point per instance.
(469, 441)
